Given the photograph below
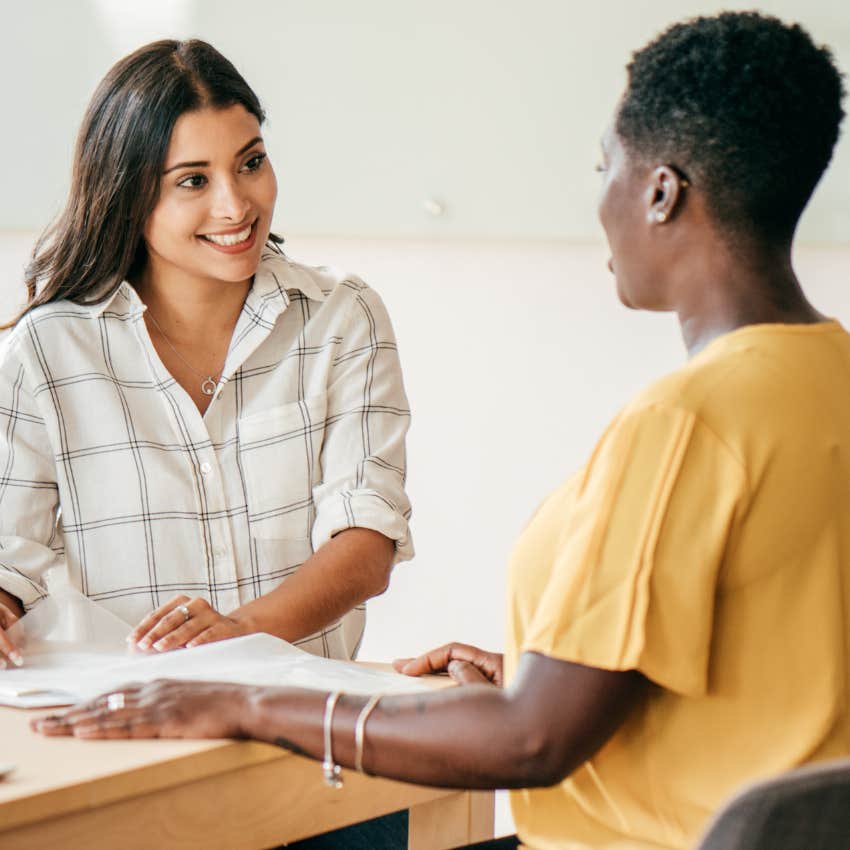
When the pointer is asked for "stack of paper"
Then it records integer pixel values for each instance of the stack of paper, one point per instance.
(74, 650)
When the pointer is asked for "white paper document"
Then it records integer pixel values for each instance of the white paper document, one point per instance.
(73, 650)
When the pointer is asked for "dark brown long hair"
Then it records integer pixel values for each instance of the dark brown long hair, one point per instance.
(97, 241)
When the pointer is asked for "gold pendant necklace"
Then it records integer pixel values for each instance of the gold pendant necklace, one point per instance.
(209, 382)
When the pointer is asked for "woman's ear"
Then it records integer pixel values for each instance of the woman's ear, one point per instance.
(663, 194)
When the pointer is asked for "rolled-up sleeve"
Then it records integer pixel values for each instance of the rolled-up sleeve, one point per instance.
(363, 455)
(30, 540)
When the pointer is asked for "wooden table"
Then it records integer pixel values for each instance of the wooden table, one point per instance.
(188, 795)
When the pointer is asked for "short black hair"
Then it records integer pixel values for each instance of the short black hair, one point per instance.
(746, 106)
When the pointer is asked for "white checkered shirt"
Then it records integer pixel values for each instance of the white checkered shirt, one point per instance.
(107, 467)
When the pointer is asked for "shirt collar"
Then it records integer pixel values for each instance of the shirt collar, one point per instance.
(123, 301)
(274, 276)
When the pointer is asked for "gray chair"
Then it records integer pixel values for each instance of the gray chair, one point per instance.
(805, 809)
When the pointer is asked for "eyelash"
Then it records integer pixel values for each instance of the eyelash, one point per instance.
(599, 168)
(260, 159)
(257, 158)
(184, 184)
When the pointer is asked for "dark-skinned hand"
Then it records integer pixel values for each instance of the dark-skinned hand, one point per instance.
(467, 665)
(160, 709)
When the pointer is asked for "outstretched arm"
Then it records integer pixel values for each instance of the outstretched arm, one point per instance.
(553, 717)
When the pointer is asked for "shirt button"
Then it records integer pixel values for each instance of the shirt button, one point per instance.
(219, 551)
(206, 468)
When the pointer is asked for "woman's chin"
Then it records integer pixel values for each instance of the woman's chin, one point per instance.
(624, 298)
(233, 268)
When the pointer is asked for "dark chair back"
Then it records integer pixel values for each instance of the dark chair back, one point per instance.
(805, 809)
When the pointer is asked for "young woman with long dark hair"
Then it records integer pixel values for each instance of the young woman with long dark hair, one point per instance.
(678, 617)
(206, 436)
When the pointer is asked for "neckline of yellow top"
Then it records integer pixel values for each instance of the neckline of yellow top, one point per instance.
(830, 325)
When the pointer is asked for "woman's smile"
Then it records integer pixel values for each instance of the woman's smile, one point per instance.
(232, 241)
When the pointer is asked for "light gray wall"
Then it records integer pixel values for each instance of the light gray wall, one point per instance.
(492, 108)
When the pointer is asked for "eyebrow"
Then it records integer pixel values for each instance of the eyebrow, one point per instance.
(203, 164)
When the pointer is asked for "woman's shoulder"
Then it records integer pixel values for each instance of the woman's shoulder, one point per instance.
(689, 387)
(46, 331)
(23, 330)
(740, 384)
(706, 389)
(57, 314)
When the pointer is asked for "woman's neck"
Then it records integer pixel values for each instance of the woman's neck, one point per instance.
(728, 290)
(189, 308)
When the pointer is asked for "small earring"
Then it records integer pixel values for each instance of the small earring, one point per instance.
(660, 216)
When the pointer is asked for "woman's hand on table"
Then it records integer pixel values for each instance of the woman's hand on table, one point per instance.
(185, 622)
(466, 664)
(10, 612)
(160, 709)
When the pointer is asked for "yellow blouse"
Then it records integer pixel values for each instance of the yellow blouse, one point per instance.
(706, 544)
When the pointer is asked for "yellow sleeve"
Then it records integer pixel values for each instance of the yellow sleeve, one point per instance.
(634, 575)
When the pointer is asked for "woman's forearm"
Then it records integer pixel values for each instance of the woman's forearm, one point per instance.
(350, 568)
(469, 737)
(553, 717)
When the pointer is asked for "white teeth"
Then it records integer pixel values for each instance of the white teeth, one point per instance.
(230, 238)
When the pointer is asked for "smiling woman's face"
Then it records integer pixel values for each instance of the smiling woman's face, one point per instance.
(216, 199)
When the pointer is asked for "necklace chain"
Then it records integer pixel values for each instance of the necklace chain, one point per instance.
(209, 382)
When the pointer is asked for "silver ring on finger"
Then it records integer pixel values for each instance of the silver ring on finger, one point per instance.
(185, 612)
(115, 702)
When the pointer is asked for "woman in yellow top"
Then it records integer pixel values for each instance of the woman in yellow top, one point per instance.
(678, 610)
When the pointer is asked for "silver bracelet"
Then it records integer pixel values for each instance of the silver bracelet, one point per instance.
(332, 772)
(360, 731)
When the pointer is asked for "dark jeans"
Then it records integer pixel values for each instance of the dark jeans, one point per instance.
(386, 833)
(509, 842)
